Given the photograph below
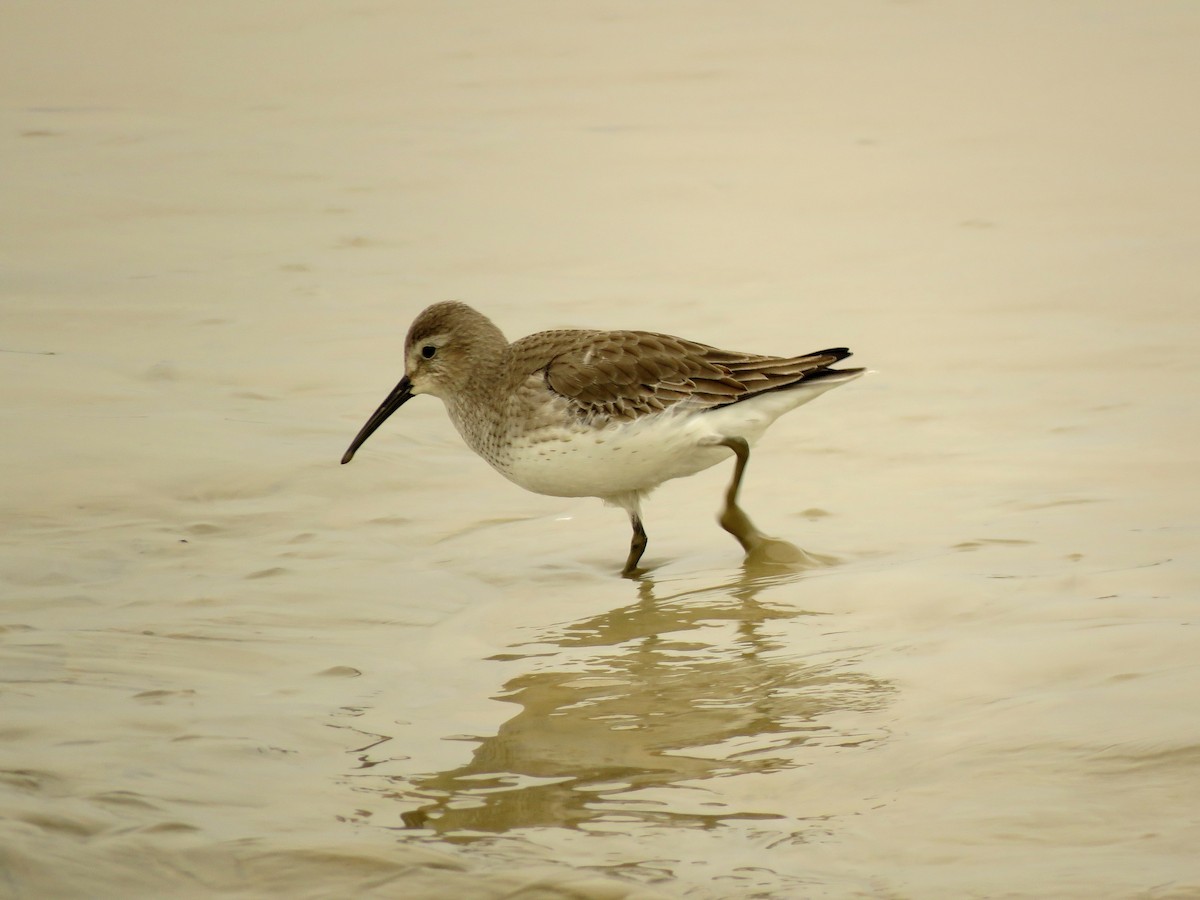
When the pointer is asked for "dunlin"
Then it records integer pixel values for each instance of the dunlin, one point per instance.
(608, 414)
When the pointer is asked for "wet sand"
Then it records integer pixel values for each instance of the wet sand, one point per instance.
(232, 667)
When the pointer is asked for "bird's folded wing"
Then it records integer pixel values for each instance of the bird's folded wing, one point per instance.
(626, 374)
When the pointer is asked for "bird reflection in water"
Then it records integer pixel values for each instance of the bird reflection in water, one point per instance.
(678, 689)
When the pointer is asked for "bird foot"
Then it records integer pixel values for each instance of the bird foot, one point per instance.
(737, 523)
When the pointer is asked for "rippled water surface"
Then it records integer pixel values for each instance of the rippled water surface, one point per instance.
(231, 667)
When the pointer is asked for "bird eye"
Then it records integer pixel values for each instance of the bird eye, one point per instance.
(428, 351)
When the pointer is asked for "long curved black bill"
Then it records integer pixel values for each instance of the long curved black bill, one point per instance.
(396, 399)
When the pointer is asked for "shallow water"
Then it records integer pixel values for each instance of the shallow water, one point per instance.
(232, 667)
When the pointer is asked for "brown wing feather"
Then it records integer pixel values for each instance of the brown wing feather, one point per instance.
(625, 374)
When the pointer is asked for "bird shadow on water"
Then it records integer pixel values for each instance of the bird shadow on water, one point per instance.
(633, 713)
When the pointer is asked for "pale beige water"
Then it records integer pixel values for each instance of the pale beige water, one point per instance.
(232, 667)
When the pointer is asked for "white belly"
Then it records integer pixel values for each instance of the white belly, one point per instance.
(633, 457)
(638, 456)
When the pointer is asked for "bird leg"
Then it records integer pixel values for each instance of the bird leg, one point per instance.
(637, 546)
(732, 518)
